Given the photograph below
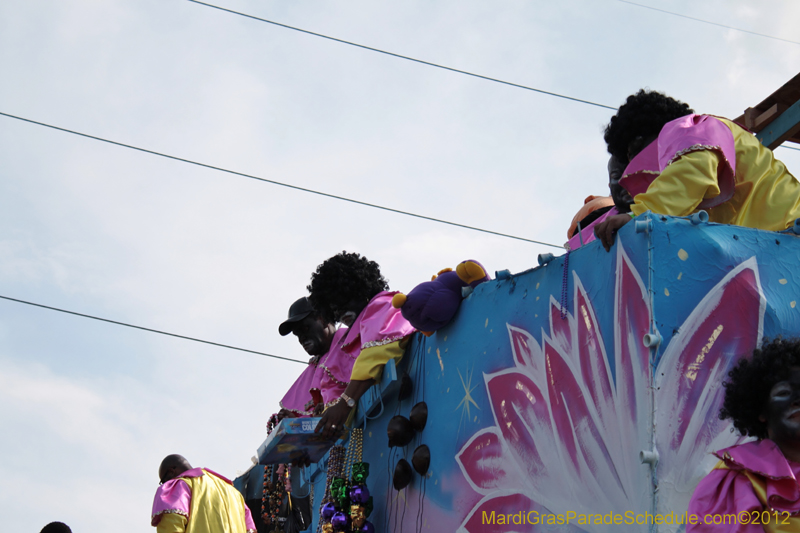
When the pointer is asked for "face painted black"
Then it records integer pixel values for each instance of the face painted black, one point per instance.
(622, 198)
(314, 335)
(783, 411)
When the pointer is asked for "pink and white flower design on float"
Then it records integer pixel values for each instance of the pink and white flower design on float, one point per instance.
(570, 436)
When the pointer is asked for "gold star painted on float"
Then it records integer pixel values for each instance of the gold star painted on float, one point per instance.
(467, 399)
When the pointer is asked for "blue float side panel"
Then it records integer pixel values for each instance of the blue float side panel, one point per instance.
(544, 401)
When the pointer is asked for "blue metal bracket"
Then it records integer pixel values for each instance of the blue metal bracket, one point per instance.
(373, 398)
(780, 129)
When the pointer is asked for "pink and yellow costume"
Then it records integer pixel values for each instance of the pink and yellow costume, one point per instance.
(379, 333)
(200, 501)
(323, 382)
(753, 479)
(710, 163)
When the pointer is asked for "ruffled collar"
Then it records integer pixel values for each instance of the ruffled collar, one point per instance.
(199, 472)
(373, 313)
(765, 459)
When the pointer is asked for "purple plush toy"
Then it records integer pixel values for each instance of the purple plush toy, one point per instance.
(432, 304)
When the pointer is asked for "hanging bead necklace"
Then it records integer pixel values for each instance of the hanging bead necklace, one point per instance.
(347, 502)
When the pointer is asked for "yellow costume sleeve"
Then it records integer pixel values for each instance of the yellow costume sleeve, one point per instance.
(171, 523)
(680, 188)
(370, 362)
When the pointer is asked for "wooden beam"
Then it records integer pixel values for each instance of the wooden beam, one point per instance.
(781, 128)
(768, 116)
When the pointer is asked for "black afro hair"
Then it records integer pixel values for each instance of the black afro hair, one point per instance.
(56, 527)
(642, 115)
(751, 380)
(343, 280)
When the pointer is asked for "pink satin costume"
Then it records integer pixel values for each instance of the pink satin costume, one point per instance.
(376, 336)
(325, 381)
(215, 506)
(753, 478)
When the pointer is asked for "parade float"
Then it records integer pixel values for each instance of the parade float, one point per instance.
(579, 395)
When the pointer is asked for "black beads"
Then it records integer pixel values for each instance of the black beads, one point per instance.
(400, 431)
(419, 416)
(402, 475)
(421, 459)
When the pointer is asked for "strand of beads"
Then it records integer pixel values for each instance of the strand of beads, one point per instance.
(266, 486)
(348, 500)
(360, 499)
(271, 490)
(275, 498)
(358, 440)
(336, 460)
(272, 422)
(348, 459)
(564, 282)
(354, 448)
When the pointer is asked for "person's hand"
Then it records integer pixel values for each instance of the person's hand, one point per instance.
(333, 420)
(318, 409)
(607, 230)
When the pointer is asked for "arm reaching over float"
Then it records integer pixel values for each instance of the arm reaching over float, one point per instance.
(349, 288)
(681, 187)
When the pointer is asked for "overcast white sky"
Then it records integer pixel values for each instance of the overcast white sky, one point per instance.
(88, 409)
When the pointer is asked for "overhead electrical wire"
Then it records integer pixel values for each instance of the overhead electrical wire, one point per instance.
(367, 204)
(704, 21)
(287, 185)
(151, 330)
(471, 73)
(160, 154)
(400, 56)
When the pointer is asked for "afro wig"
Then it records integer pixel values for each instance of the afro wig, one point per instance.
(642, 115)
(750, 382)
(344, 280)
(56, 527)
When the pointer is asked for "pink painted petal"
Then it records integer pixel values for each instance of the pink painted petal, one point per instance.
(576, 429)
(632, 364)
(725, 325)
(560, 328)
(513, 507)
(487, 463)
(592, 358)
(523, 417)
(527, 353)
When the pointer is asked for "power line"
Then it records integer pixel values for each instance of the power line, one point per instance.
(403, 57)
(150, 330)
(479, 75)
(789, 147)
(704, 21)
(287, 185)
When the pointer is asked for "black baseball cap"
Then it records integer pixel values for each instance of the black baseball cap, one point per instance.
(297, 312)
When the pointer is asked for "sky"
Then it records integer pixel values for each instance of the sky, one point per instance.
(88, 409)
